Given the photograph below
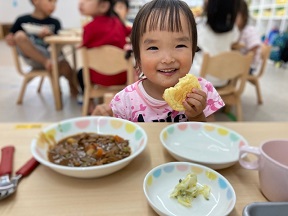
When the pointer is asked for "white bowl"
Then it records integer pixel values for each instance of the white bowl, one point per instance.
(209, 144)
(161, 180)
(32, 29)
(103, 125)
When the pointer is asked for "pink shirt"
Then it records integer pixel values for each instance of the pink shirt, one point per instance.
(250, 38)
(134, 104)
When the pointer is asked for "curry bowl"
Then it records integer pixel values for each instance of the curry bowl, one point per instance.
(208, 144)
(101, 125)
(159, 184)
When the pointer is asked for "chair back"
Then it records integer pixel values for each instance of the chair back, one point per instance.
(265, 53)
(231, 66)
(108, 59)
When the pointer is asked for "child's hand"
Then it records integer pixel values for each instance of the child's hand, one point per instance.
(195, 104)
(10, 39)
(102, 110)
(45, 32)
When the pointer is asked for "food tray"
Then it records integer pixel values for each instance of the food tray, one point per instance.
(266, 209)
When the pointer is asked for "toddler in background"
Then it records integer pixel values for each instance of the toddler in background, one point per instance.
(249, 39)
(164, 41)
(32, 47)
(106, 28)
(121, 7)
(217, 32)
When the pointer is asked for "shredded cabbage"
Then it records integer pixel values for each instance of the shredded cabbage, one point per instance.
(187, 189)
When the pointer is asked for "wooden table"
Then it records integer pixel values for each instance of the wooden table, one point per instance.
(46, 192)
(56, 43)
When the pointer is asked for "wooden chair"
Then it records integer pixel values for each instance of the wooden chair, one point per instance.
(231, 66)
(29, 75)
(254, 79)
(110, 60)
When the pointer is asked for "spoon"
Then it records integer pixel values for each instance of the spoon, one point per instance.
(25, 170)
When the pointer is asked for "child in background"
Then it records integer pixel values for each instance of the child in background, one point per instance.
(121, 7)
(164, 41)
(249, 39)
(32, 46)
(106, 28)
(216, 33)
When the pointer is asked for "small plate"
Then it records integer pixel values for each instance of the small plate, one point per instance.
(32, 29)
(161, 180)
(208, 144)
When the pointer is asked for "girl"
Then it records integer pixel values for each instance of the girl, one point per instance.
(106, 28)
(216, 32)
(249, 37)
(164, 41)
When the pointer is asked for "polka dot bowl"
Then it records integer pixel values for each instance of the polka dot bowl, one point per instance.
(161, 180)
(103, 125)
(208, 144)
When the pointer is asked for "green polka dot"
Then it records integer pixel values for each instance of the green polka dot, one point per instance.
(234, 137)
(170, 130)
(138, 135)
(64, 128)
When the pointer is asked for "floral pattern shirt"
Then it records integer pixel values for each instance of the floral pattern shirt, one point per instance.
(134, 104)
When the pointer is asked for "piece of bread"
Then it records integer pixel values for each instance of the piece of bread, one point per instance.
(175, 96)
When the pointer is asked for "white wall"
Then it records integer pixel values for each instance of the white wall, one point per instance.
(67, 11)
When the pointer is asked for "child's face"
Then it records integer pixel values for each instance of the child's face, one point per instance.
(166, 56)
(121, 9)
(90, 7)
(239, 21)
(45, 6)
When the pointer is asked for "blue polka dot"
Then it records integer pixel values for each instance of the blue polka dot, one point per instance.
(157, 173)
(229, 194)
(222, 183)
(168, 169)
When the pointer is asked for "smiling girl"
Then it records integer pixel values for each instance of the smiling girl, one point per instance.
(164, 41)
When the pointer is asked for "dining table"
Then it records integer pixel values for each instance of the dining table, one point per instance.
(56, 43)
(46, 192)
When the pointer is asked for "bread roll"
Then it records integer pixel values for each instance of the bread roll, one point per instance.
(175, 96)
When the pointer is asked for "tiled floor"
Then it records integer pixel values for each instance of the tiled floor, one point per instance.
(40, 107)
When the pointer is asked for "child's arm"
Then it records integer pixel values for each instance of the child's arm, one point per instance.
(102, 110)
(195, 104)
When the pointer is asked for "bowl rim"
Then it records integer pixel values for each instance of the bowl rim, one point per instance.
(33, 147)
(201, 161)
(229, 210)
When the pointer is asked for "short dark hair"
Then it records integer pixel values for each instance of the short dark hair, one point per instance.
(243, 10)
(221, 14)
(156, 10)
(126, 2)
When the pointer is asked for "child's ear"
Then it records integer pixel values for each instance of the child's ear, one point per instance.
(104, 6)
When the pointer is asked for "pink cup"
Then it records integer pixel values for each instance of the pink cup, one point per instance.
(272, 164)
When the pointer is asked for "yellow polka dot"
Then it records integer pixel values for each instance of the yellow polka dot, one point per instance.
(223, 131)
(165, 135)
(51, 134)
(211, 175)
(209, 127)
(150, 180)
(197, 170)
(116, 124)
(130, 128)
